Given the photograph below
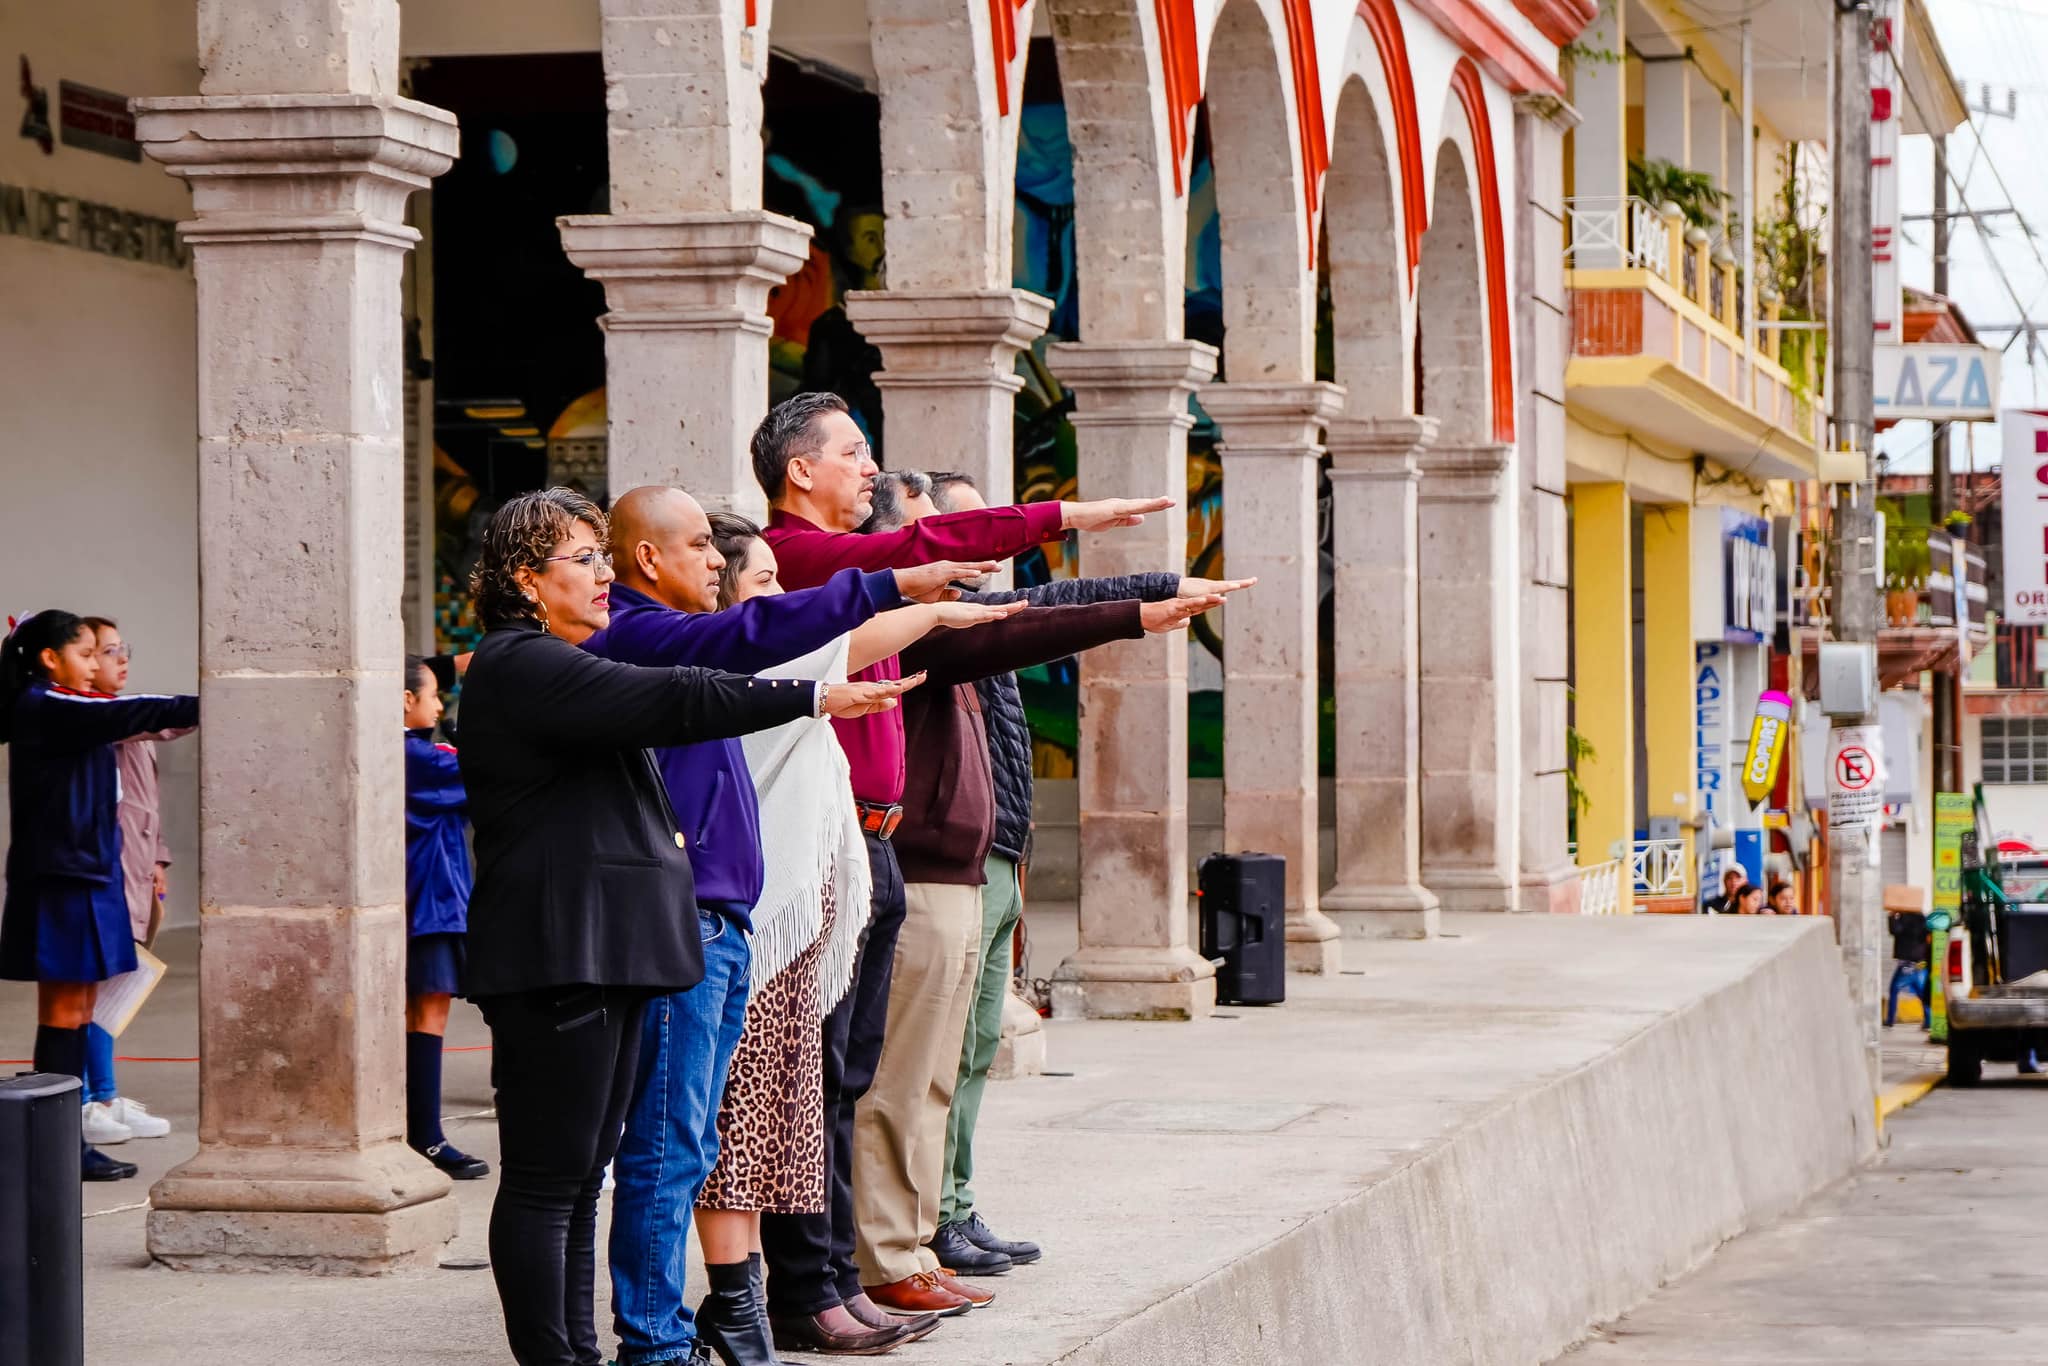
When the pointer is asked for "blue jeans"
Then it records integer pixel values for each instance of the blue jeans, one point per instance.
(1909, 977)
(670, 1146)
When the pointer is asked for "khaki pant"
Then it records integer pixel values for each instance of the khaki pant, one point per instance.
(899, 1127)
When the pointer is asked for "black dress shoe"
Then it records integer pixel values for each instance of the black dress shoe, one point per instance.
(459, 1165)
(963, 1258)
(807, 1333)
(984, 1237)
(94, 1165)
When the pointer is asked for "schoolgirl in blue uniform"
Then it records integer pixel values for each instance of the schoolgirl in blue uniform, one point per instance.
(65, 921)
(437, 883)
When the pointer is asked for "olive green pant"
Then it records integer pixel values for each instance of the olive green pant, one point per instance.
(1002, 904)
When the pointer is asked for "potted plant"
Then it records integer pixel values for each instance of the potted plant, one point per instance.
(1907, 561)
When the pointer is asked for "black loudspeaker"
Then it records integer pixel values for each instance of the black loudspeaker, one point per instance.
(1244, 926)
(42, 1230)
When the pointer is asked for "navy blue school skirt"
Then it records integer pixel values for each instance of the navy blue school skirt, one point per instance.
(434, 964)
(65, 930)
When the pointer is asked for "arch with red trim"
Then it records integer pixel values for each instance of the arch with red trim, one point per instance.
(1469, 89)
(1383, 23)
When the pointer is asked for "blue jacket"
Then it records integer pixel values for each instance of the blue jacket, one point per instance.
(708, 783)
(437, 876)
(62, 785)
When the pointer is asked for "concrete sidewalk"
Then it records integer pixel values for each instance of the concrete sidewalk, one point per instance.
(1933, 1255)
(1469, 1149)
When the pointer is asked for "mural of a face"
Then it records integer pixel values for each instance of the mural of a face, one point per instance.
(865, 248)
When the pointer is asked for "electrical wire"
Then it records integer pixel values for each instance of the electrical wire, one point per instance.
(1998, 266)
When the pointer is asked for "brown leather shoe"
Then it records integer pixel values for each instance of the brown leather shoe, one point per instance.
(979, 1298)
(920, 1294)
(874, 1316)
(808, 1333)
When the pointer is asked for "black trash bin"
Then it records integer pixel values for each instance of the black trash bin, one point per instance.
(42, 1239)
(1244, 926)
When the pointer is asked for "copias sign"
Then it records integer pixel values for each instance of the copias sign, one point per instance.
(1766, 745)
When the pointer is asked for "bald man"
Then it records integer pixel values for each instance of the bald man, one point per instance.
(664, 612)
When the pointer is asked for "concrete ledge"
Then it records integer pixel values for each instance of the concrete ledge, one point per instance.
(1561, 1207)
(1471, 1151)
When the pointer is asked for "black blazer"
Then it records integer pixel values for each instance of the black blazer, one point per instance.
(581, 876)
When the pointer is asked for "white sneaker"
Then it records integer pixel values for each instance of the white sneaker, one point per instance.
(97, 1125)
(138, 1118)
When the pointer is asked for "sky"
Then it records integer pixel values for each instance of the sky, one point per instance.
(2002, 43)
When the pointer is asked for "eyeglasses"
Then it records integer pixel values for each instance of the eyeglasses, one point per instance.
(593, 560)
(117, 653)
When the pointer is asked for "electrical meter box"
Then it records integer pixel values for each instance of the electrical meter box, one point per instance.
(1848, 677)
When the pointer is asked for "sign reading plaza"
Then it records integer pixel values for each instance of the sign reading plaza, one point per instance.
(1939, 381)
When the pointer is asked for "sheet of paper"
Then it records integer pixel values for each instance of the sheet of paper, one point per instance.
(120, 997)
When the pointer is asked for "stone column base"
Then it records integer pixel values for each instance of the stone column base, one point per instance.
(1408, 911)
(1551, 891)
(1312, 942)
(1134, 984)
(327, 1243)
(1022, 1050)
(1472, 889)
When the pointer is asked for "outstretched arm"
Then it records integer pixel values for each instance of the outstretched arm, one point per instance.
(892, 632)
(753, 635)
(71, 720)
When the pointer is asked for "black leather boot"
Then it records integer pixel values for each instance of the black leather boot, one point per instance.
(730, 1321)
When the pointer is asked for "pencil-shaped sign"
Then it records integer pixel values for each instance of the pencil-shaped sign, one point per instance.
(1766, 745)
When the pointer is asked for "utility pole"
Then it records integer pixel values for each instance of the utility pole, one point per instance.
(1855, 890)
(1948, 750)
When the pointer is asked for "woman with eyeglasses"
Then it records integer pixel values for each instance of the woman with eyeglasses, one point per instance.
(583, 905)
(65, 925)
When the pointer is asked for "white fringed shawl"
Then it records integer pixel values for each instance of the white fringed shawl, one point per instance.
(809, 832)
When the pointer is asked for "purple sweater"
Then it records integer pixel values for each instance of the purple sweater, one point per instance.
(708, 783)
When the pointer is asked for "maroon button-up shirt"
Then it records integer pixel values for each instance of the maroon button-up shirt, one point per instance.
(809, 555)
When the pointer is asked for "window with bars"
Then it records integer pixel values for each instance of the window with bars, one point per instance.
(2015, 749)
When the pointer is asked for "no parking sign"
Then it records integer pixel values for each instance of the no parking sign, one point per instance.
(1855, 777)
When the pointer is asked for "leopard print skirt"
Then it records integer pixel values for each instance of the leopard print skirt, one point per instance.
(771, 1124)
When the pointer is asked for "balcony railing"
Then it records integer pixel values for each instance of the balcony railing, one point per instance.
(1659, 869)
(1617, 233)
(1600, 888)
(1610, 232)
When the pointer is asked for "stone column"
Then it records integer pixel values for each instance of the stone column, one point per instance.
(1131, 423)
(1374, 470)
(1543, 341)
(949, 376)
(686, 343)
(297, 244)
(1470, 790)
(1270, 444)
(686, 255)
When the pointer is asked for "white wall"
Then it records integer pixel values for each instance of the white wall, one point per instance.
(97, 459)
